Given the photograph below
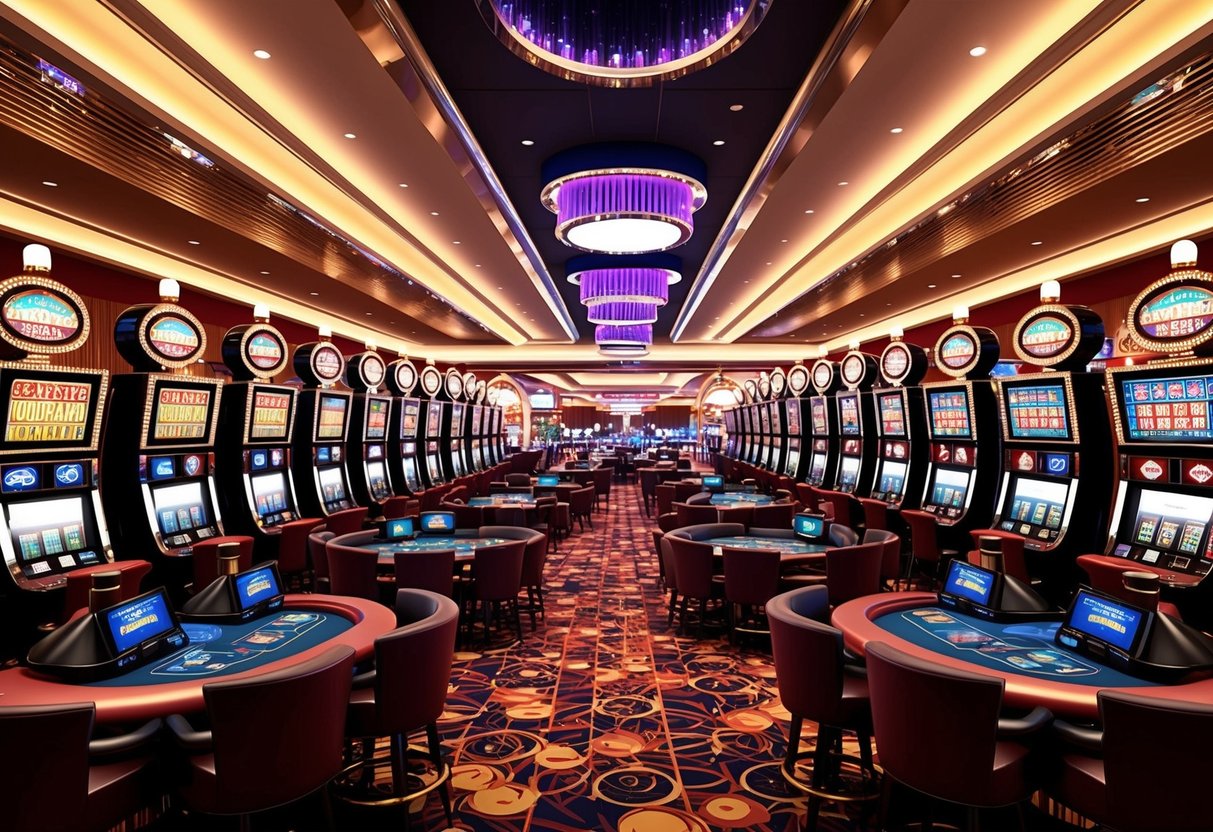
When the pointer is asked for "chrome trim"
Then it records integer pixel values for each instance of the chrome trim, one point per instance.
(406, 38)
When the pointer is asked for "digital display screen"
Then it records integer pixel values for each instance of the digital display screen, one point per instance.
(1039, 502)
(808, 526)
(456, 419)
(376, 480)
(180, 412)
(44, 528)
(1037, 411)
(1171, 520)
(817, 468)
(543, 401)
(817, 414)
(1167, 409)
(848, 472)
(892, 477)
(1105, 619)
(792, 463)
(970, 582)
(332, 484)
(892, 414)
(255, 586)
(949, 487)
(376, 418)
(549, 479)
(776, 419)
(269, 493)
(713, 481)
(180, 508)
(438, 522)
(949, 413)
(433, 419)
(269, 416)
(330, 417)
(793, 410)
(764, 417)
(48, 411)
(399, 529)
(133, 622)
(408, 421)
(848, 414)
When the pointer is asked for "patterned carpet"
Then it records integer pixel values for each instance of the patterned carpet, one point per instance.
(603, 719)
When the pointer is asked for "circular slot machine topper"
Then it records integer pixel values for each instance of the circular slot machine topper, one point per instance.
(492, 396)
(39, 317)
(431, 380)
(452, 385)
(402, 377)
(779, 383)
(902, 364)
(1058, 335)
(159, 336)
(824, 376)
(365, 371)
(319, 363)
(469, 386)
(857, 369)
(963, 351)
(751, 389)
(764, 386)
(256, 350)
(798, 379)
(1174, 314)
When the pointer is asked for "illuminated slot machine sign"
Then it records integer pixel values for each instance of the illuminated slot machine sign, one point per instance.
(269, 414)
(181, 414)
(791, 463)
(330, 417)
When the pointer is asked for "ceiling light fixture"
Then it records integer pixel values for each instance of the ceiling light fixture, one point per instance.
(1139, 199)
(718, 143)
(895, 130)
(262, 54)
(50, 184)
(1037, 242)
(622, 314)
(977, 51)
(624, 198)
(736, 108)
(404, 184)
(528, 143)
(809, 211)
(351, 135)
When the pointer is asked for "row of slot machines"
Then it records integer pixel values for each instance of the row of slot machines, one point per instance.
(1117, 462)
(186, 458)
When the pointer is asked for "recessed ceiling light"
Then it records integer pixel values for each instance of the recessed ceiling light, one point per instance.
(718, 142)
(1139, 199)
(263, 271)
(783, 241)
(262, 54)
(477, 265)
(843, 184)
(888, 304)
(737, 108)
(314, 294)
(808, 211)
(404, 184)
(1037, 242)
(193, 242)
(930, 285)
(977, 51)
(861, 314)
(895, 130)
(50, 184)
(955, 276)
(527, 142)
(351, 135)
(500, 287)
(768, 262)
(433, 213)
(456, 242)
(368, 314)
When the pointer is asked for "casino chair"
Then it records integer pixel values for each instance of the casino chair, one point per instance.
(534, 558)
(940, 732)
(875, 513)
(742, 513)
(602, 487)
(695, 567)
(495, 584)
(844, 506)
(668, 522)
(924, 544)
(687, 514)
(319, 557)
(346, 521)
(816, 683)
(80, 583)
(403, 693)
(774, 515)
(663, 493)
(400, 506)
(294, 716)
(648, 487)
(458, 494)
(1102, 774)
(807, 496)
(353, 570)
(581, 504)
(466, 517)
(701, 498)
(60, 778)
(840, 535)
(890, 561)
(518, 480)
(205, 556)
(751, 580)
(683, 490)
(432, 570)
(1129, 581)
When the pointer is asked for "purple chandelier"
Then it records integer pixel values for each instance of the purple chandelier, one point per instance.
(625, 213)
(621, 313)
(631, 339)
(599, 286)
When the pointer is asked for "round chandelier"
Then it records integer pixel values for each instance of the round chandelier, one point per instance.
(640, 279)
(622, 313)
(624, 198)
(630, 339)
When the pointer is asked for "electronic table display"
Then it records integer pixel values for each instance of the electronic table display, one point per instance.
(256, 586)
(1105, 619)
(141, 619)
(969, 582)
(808, 526)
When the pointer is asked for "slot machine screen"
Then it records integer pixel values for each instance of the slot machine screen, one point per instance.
(848, 414)
(1170, 408)
(764, 417)
(181, 414)
(892, 477)
(848, 472)
(793, 420)
(376, 480)
(456, 414)
(1037, 410)
(330, 417)
(949, 414)
(776, 419)
(1039, 502)
(50, 528)
(181, 507)
(792, 462)
(972, 583)
(1105, 619)
(269, 493)
(730, 421)
(269, 414)
(949, 487)
(433, 419)
(817, 468)
(892, 414)
(332, 484)
(53, 409)
(376, 418)
(408, 421)
(141, 619)
(817, 416)
(1170, 520)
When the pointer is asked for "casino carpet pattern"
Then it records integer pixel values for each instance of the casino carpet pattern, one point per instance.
(603, 719)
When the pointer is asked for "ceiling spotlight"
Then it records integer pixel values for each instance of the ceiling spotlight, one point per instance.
(955, 276)
(193, 242)
(262, 54)
(718, 142)
(977, 51)
(456, 242)
(930, 285)
(809, 211)
(314, 294)
(895, 130)
(50, 184)
(736, 108)
(1139, 199)
(404, 184)
(351, 135)
(843, 184)
(528, 142)
(263, 271)
(1037, 242)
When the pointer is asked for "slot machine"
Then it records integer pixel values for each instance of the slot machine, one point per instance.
(253, 443)
(494, 439)
(404, 422)
(367, 449)
(823, 424)
(471, 425)
(322, 423)
(795, 465)
(159, 441)
(779, 427)
(1163, 507)
(766, 446)
(743, 425)
(755, 436)
(856, 423)
(962, 422)
(433, 415)
(1057, 473)
(452, 441)
(51, 522)
(902, 446)
(730, 430)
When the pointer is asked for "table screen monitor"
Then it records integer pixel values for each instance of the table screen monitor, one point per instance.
(1170, 520)
(1040, 502)
(400, 528)
(949, 413)
(1104, 619)
(547, 480)
(181, 507)
(258, 587)
(949, 487)
(141, 619)
(438, 522)
(713, 482)
(809, 526)
(971, 583)
(848, 471)
(269, 493)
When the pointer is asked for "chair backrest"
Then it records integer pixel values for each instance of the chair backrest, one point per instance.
(466, 517)
(317, 552)
(664, 493)
(353, 571)
(808, 654)
(1138, 730)
(841, 535)
(682, 490)
(741, 513)
(346, 521)
(807, 496)
(924, 540)
(919, 708)
(459, 493)
(875, 513)
(666, 553)
(774, 515)
(751, 576)
(497, 570)
(668, 522)
(509, 532)
(700, 498)
(692, 564)
(890, 561)
(428, 569)
(48, 745)
(399, 506)
(703, 531)
(581, 501)
(533, 559)
(602, 479)
(853, 571)
(296, 714)
(687, 514)
(413, 662)
(507, 515)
